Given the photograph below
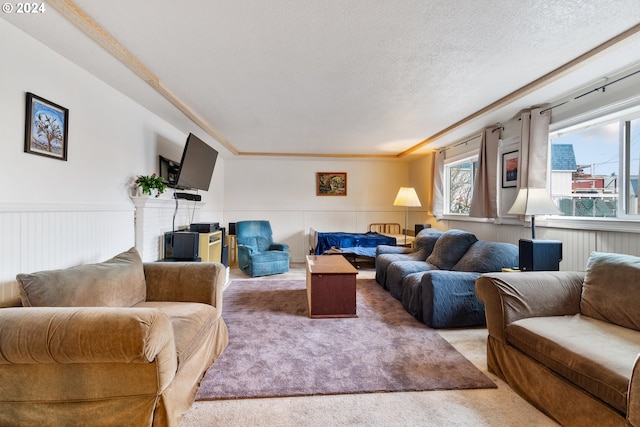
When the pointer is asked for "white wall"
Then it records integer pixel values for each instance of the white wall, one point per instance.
(283, 191)
(53, 213)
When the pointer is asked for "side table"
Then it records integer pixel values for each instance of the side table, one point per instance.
(331, 286)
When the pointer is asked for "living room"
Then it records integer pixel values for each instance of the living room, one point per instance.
(57, 214)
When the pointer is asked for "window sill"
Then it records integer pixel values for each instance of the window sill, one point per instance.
(462, 217)
(600, 224)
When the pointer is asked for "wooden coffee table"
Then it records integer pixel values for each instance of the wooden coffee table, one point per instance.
(331, 286)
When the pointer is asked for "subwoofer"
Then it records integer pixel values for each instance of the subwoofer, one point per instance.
(540, 255)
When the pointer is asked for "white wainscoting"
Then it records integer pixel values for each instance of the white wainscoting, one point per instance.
(37, 237)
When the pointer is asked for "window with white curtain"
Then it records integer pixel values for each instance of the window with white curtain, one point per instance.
(459, 180)
(595, 166)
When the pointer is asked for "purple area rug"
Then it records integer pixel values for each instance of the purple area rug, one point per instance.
(276, 350)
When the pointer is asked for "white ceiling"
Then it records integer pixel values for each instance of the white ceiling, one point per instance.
(341, 77)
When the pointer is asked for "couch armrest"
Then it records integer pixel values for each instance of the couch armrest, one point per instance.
(37, 335)
(508, 297)
(386, 249)
(278, 246)
(201, 282)
(449, 299)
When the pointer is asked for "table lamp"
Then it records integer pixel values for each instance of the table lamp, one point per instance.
(406, 197)
(533, 201)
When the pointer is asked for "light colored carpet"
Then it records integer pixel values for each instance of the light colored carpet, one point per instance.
(276, 350)
(483, 407)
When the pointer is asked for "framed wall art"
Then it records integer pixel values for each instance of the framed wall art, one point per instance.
(510, 169)
(46, 128)
(331, 183)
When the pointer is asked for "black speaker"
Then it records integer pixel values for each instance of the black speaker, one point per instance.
(181, 245)
(419, 227)
(232, 228)
(225, 255)
(540, 255)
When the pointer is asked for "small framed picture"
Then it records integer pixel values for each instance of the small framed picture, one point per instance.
(510, 169)
(46, 128)
(331, 183)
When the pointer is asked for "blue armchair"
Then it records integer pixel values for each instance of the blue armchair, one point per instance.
(258, 255)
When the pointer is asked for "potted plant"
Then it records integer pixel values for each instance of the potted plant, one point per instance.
(150, 184)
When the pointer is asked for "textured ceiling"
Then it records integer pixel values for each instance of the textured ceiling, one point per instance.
(342, 77)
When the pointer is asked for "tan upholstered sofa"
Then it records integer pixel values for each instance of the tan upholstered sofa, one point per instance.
(120, 343)
(569, 342)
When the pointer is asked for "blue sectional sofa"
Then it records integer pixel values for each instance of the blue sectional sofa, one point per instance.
(435, 282)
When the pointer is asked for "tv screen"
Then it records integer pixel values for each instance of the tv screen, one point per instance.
(196, 166)
(169, 170)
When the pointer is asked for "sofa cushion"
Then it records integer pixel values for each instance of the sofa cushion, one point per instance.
(426, 240)
(190, 322)
(611, 290)
(596, 356)
(118, 282)
(450, 247)
(485, 256)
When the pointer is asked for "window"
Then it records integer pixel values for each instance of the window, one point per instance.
(459, 180)
(594, 167)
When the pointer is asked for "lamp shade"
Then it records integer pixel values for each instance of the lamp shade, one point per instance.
(533, 201)
(407, 196)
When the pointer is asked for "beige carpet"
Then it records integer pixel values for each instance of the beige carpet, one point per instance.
(485, 407)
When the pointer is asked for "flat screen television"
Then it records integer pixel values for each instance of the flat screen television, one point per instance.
(195, 169)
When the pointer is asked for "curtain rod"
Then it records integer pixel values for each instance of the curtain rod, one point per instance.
(498, 127)
(600, 88)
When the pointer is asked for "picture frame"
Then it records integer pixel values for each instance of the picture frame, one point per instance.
(46, 128)
(331, 183)
(510, 165)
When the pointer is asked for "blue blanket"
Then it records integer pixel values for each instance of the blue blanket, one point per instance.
(358, 243)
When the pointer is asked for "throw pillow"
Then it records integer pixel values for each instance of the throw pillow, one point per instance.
(611, 290)
(450, 247)
(118, 282)
(426, 239)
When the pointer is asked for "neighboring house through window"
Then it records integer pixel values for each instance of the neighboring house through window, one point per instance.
(594, 167)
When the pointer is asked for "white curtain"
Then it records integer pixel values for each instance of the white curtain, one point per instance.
(437, 208)
(534, 147)
(484, 199)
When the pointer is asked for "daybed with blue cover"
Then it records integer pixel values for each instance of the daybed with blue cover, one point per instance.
(354, 245)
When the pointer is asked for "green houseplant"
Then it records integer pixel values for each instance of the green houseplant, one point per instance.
(150, 184)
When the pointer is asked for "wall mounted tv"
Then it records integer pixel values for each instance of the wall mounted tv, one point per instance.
(195, 169)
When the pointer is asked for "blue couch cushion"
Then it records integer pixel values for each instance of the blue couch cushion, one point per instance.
(383, 261)
(426, 240)
(397, 271)
(485, 256)
(449, 248)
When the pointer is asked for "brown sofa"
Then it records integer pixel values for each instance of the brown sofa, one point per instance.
(569, 342)
(120, 343)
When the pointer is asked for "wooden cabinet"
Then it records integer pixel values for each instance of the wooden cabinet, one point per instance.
(232, 242)
(210, 246)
